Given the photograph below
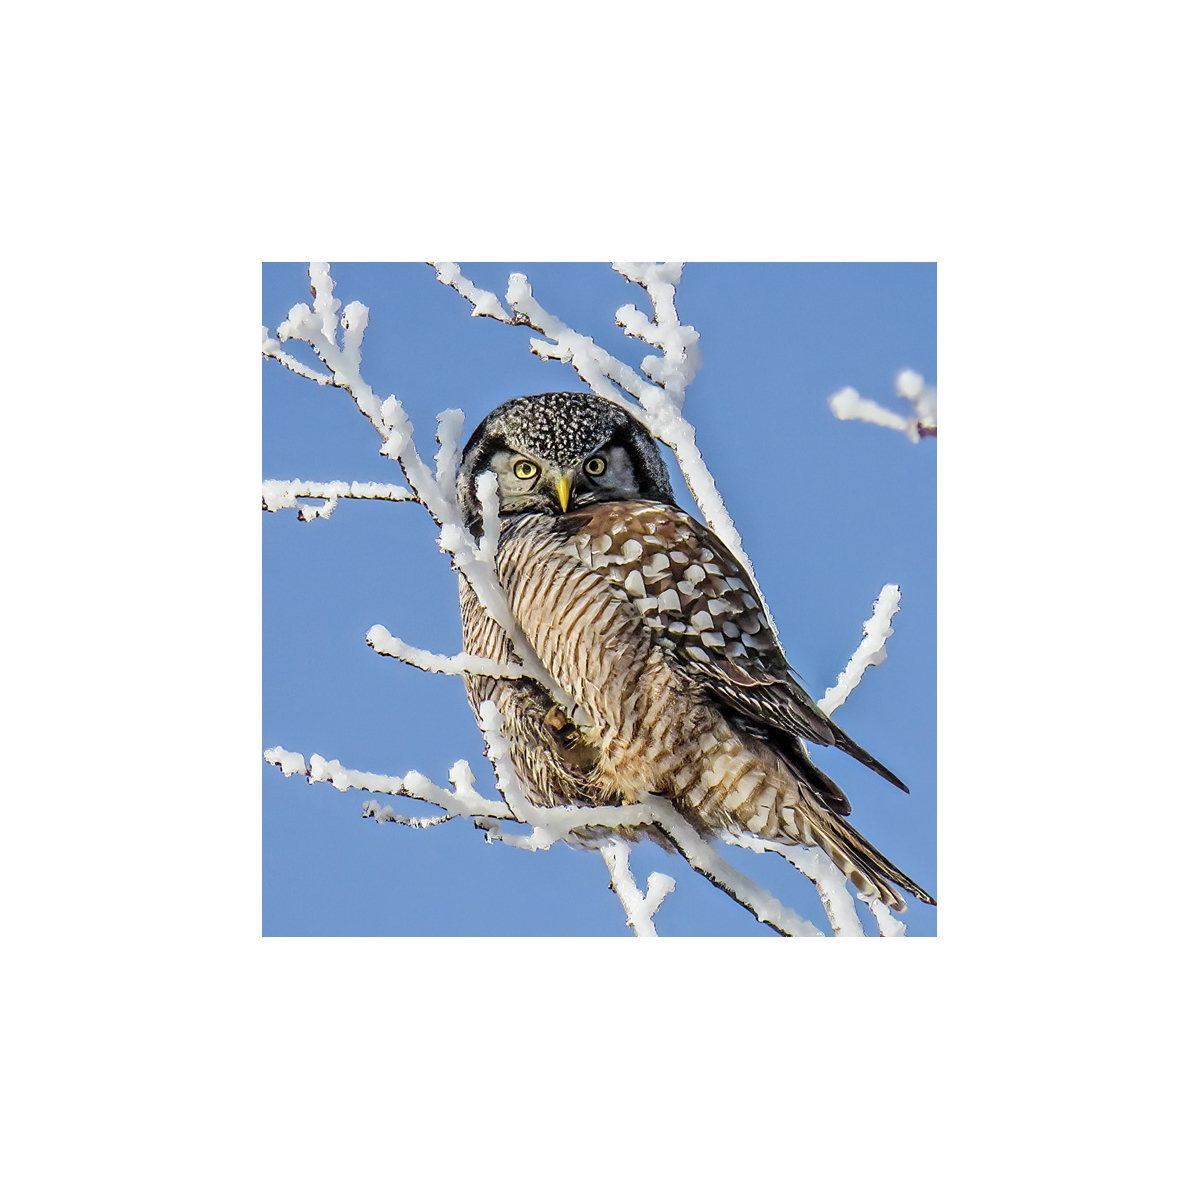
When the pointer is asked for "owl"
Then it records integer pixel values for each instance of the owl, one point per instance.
(646, 621)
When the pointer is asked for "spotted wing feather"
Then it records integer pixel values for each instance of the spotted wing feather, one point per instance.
(691, 592)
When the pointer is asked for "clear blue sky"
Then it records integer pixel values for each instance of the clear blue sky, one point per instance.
(828, 510)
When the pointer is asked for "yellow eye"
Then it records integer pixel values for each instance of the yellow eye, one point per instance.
(524, 469)
(595, 466)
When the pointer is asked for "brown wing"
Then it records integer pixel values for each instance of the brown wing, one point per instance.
(691, 593)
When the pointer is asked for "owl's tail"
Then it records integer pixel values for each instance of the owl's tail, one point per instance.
(817, 817)
(857, 859)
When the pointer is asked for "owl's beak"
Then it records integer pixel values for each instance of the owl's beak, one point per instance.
(564, 492)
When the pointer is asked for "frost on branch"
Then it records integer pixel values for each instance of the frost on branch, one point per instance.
(280, 493)
(871, 650)
(655, 395)
(848, 405)
(639, 908)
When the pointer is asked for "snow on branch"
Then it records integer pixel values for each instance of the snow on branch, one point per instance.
(485, 304)
(639, 908)
(382, 642)
(464, 801)
(317, 327)
(703, 856)
(551, 825)
(871, 652)
(848, 405)
(281, 493)
(889, 924)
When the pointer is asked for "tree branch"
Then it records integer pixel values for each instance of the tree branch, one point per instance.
(848, 405)
(382, 642)
(871, 650)
(639, 908)
(280, 493)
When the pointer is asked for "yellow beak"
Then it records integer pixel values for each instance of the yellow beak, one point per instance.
(564, 492)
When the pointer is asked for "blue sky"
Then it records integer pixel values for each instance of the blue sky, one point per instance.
(828, 510)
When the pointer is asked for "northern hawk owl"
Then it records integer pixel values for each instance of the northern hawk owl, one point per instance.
(646, 621)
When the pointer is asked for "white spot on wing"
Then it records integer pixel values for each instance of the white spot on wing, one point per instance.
(633, 583)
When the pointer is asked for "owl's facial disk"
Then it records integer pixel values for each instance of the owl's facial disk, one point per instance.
(530, 483)
(559, 451)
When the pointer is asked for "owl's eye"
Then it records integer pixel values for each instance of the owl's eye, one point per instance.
(595, 466)
(524, 469)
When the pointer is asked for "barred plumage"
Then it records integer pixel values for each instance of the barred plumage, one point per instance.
(640, 614)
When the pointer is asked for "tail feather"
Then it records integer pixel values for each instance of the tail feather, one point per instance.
(865, 867)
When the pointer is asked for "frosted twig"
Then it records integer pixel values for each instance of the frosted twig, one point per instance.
(680, 360)
(382, 642)
(548, 825)
(272, 349)
(281, 493)
(913, 387)
(464, 801)
(317, 328)
(871, 650)
(819, 867)
(889, 924)
(486, 304)
(449, 436)
(708, 861)
(848, 405)
(639, 908)
(556, 823)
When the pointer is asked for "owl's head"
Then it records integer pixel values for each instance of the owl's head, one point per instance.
(560, 451)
